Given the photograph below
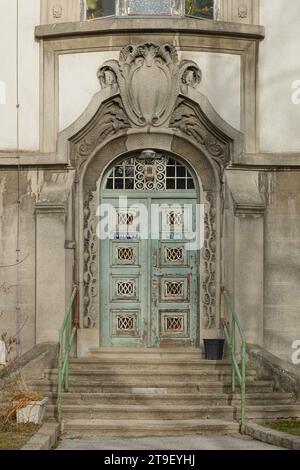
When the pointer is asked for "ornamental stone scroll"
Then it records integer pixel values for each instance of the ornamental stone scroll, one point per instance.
(150, 78)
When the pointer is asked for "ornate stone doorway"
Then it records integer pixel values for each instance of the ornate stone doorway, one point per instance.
(148, 100)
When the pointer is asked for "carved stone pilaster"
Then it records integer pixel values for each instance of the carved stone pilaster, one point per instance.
(209, 253)
(90, 258)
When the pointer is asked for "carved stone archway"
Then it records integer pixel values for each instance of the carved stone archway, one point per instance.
(148, 100)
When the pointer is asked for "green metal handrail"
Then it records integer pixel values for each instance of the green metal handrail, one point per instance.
(66, 337)
(237, 371)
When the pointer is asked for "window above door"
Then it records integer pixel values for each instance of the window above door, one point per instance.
(150, 172)
(62, 11)
(101, 8)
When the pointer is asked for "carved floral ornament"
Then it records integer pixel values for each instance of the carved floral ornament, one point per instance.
(243, 11)
(149, 78)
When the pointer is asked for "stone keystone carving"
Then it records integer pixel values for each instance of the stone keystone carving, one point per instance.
(149, 78)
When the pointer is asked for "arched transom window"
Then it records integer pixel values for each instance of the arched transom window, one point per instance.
(150, 171)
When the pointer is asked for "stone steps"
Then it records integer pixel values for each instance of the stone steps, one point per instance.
(145, 412)
(143, 376)
(174, 387)
(155, 363)
(172, 412)
(143, 397)
(148, 428)
(158, 392)
(115, 353)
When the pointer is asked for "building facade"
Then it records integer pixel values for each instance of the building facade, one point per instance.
(168, 103)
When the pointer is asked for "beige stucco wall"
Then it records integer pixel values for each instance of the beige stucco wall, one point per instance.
(19, 71)
(33, 294)
(17, 282)
(278, 68)
(282, 264)
(78, 83)
(8, 112)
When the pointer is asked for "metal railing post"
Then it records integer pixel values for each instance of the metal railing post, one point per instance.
(67, 355)
(66, 338)
(233, 354)
(59, 384)
(243, 386)
(237, 371)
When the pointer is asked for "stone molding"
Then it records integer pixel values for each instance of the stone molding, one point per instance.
(245, 210)
(41, 208)
(124, 25)
(246, 194)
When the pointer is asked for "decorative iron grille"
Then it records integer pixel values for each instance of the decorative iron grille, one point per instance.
(126, 289)
(159, 173)
(175, 218)
(125, 323)
(174, 288)
(126, 254)
(174, 324)
(174, 254)
(125, 218)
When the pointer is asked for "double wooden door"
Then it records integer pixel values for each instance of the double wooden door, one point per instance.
(149, 276)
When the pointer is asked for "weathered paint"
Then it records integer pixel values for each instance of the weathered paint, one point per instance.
(149, 270)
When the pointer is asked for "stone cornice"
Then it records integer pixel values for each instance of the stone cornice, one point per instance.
(245, 210)
(113, 25)
(259, 161)
(48, 208)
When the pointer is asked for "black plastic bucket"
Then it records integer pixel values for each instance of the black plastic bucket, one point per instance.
(213, 349)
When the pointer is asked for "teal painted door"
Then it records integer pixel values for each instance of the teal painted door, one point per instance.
(149, 277)
(174, 276)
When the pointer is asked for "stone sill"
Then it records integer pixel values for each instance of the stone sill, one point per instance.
(111, 25)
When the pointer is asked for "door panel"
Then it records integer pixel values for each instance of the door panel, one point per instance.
(123, 283)
(149, 287)
(174, 278)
